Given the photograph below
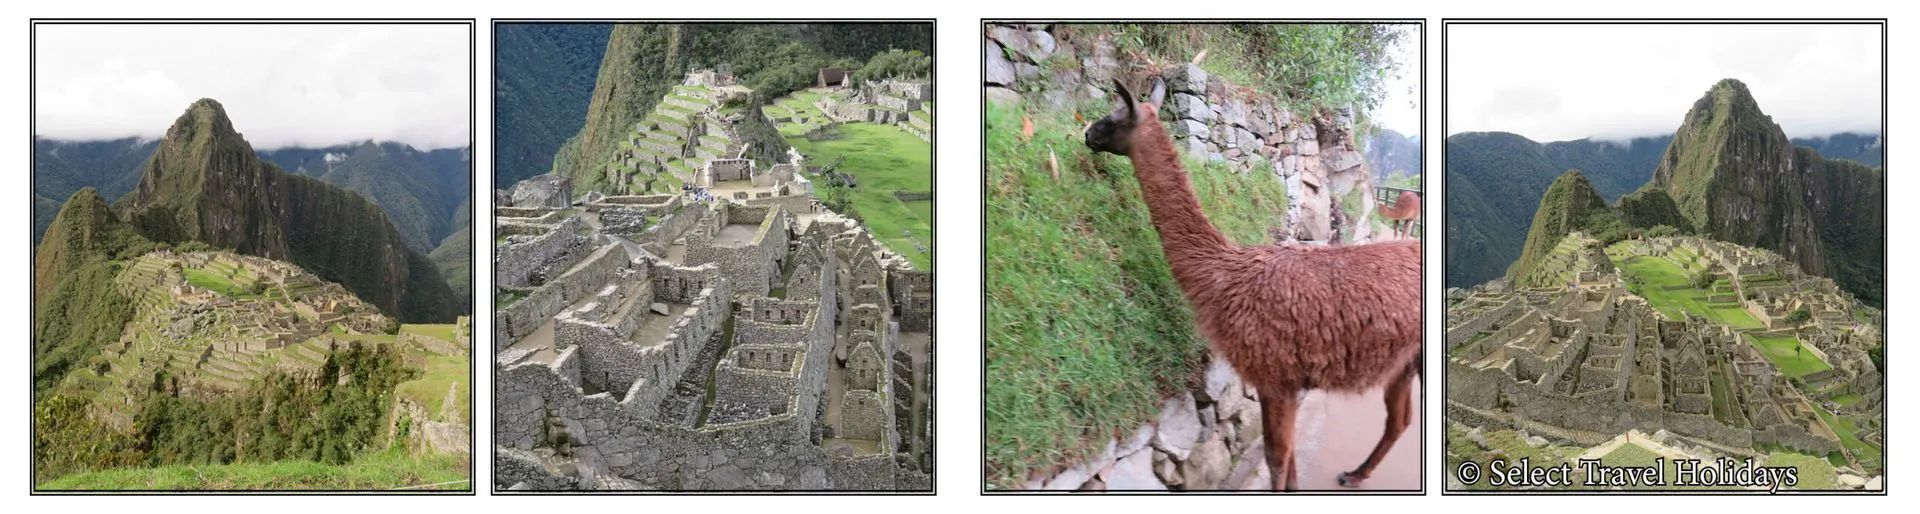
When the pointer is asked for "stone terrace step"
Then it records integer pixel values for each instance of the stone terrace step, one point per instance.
(668, 124)
(687, 103)
(667, 147)
(673, 112)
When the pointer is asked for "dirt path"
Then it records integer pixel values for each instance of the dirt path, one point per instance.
(1336, 433)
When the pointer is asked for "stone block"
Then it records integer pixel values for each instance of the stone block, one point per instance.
(1179, 427)
(1233, 112)
(1186, 106)
(1191, 129)
(1187, 78)
(1134, 473)
(1030, 45)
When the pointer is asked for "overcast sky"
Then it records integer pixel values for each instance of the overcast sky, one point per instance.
(282, 85)
(1562, 82)
(1401, 110)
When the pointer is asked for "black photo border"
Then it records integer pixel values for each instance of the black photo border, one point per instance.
(1445, 24)
(933, 162)
(472, 137)
(1420, 25)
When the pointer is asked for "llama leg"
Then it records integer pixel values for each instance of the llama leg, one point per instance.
(1399, 396)
(1277, 412)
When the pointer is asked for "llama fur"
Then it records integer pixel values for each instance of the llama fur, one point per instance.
(1288, 318)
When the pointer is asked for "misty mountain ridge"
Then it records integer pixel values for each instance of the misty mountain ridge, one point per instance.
(419, 189)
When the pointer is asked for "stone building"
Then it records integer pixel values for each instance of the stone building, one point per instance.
(1588, 358)
(655, 342)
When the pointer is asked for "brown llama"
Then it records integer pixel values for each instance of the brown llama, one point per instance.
(1402, 213)
(1289, 318)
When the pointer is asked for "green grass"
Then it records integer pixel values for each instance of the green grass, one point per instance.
(1086, 330)
(442, 331)
(215, 281)
(884, 159)
(430, 390)
(1870, 457)
(1787, 354)
(1814, 473)
(1669, 289)
(1630, 454)
(380, 471)
(922, 209)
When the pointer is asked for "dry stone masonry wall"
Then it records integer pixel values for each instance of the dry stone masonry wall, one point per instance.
(1208, 117)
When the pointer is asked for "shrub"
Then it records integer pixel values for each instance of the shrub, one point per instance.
(1798, 316)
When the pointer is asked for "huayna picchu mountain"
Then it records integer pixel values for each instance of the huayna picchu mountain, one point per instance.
(1734, 175)
(205, 183)
(1731, 174)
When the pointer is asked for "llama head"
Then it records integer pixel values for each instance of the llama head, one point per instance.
(1114, 133)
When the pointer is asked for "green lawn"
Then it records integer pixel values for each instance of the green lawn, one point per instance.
(884, 159)
(1086, 330)
(381, 471)
(217, 281)
(442, 372)
(1669, 289)
(1870, 456)
(1787, 354)
(441, 331)
(1814, 473)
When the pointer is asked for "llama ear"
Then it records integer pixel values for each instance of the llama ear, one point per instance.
(1159, 93)
(1125, 112)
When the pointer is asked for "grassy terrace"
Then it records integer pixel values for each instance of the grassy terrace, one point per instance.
(1787, 354)
(439, 372)
(1086, 330)
(884, 159)
(1669, 288)
(1870, 456)
(386, 470)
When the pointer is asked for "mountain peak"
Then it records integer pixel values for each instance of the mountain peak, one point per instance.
(205, 117)
(1730, 87)
(1570, 204)
(1728, 99)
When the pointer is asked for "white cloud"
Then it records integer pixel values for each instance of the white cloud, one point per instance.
(1561, 82)
(283, 85)
(1401, 109)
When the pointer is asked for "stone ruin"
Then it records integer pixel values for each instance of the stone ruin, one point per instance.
(1588, 358)
(891, 101)
(653, 342)
(547, 190)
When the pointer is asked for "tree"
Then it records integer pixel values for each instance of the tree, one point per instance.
(1798, 316)
(895, 64)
